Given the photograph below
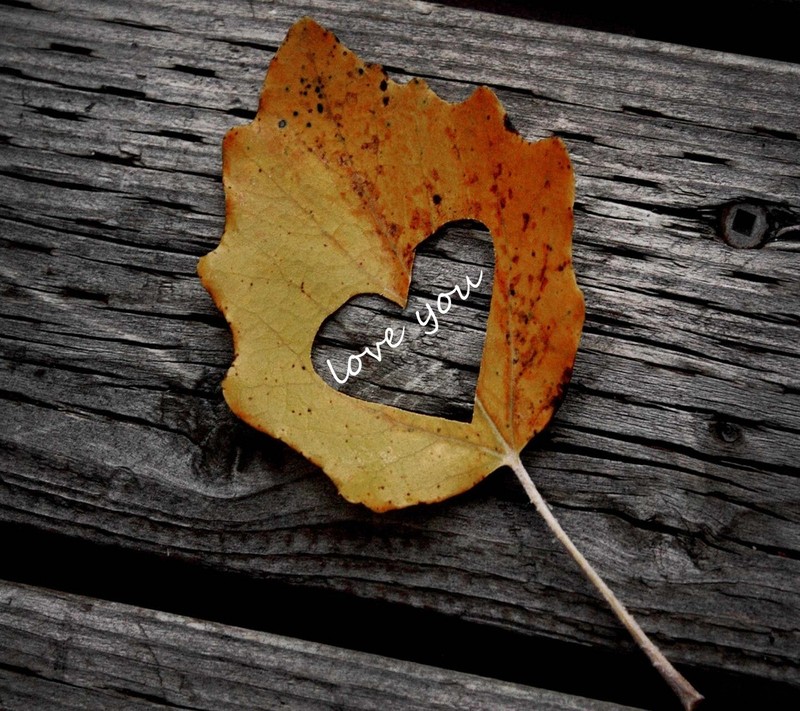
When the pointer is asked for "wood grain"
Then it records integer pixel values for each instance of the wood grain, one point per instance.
(673, 462)
(93, 654)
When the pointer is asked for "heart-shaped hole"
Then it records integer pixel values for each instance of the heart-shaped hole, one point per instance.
(429, 361)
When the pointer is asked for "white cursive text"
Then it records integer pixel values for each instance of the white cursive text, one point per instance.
(444, 302)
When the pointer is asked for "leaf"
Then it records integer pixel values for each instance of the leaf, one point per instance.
(329, 190)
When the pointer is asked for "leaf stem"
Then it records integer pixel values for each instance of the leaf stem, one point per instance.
(688, 695)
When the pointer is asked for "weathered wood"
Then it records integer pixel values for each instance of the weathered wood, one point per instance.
(673, 462)
(61, 651)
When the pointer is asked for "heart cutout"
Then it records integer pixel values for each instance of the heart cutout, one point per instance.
(328, 193)
(431, 363)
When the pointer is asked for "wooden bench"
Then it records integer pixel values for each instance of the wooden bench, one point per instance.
(155, 549)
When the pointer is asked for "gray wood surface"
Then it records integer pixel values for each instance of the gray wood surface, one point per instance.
(673, 461)
(92, 654)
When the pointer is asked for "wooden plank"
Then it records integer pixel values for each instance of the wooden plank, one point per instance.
(67, 651)
(673, 462)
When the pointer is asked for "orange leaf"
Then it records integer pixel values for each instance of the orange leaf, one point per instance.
(329, 190)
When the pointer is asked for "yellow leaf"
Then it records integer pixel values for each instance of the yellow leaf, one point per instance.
(329, 190)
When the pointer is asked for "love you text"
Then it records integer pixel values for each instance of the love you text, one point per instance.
(427, 318)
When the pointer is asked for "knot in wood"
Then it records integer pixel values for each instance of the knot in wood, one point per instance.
(726, 431)
(744, 225)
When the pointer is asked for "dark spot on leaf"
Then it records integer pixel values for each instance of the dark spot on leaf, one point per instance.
(437, 199)
(282, 123)
(385, 100)
(384, 85)
(561, 389)
(319, 108)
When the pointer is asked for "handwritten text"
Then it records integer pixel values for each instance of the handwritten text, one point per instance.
(426, 316)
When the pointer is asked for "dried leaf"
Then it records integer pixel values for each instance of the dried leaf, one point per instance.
(340, 176)
(329, 190)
